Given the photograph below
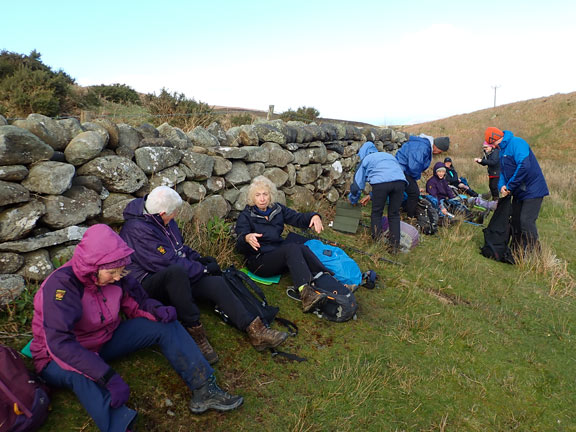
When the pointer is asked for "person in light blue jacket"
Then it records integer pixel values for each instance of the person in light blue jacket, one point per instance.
(388, 182)
(415, 157)
(522, 177)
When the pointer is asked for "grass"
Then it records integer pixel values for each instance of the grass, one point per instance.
(448, 341)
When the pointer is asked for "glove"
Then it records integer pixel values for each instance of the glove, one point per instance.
(119, 391)
(212, 266)
(165, 314)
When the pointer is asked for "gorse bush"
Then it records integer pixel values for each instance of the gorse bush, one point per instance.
(118, 93)
(304, 114)
(28, 86)
(241, 119)
(176, 109)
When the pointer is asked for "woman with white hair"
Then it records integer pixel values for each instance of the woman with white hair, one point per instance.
(259, 228)
(175, 274)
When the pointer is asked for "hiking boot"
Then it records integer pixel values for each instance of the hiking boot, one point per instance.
(210, 396)
(199, 335)
(310, 298)
(261, 337)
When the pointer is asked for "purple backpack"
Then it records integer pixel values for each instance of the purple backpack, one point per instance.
(23, 399)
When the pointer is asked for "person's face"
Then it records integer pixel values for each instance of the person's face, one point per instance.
(108, 276)
(448, 164)
(262, 198)
(441, 173)
(487, 149)
(435, 150)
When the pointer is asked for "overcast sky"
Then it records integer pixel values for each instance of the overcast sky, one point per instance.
(364, 60)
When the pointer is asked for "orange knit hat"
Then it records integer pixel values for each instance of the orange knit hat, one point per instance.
(493, 135)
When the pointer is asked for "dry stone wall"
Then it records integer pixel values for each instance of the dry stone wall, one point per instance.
(57, 177)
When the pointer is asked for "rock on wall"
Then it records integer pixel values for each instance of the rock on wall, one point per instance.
(57, 177)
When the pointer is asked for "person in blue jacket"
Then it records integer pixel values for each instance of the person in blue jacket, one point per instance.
(414, 157)
(383, 172)
(522, 177)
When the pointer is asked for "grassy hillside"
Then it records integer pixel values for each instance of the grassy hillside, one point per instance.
(448, 341)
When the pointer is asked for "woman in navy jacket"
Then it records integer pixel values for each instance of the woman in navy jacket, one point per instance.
(259, 228)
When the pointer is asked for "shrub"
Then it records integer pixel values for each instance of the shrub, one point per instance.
(178, 110)
(241, 119)
(304, 114)
(118, 93)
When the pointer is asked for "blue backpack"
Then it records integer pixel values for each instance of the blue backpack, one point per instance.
(345, 269)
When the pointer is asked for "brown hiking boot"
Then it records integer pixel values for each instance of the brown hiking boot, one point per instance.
(199, 335)
(261, 337)
(310, 298)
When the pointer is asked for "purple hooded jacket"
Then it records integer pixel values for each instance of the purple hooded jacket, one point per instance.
(156, 246)
(73, 317)
(437, 187)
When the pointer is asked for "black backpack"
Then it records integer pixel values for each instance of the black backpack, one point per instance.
(24, 399)
(426, 217)
(340, 304)
(498, 232)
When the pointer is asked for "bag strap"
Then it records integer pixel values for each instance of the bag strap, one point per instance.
(292, 328)
(234, 272)
(289, 356)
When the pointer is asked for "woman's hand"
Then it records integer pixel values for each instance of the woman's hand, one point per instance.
(252, 240)
(365, 200)
(316, 222)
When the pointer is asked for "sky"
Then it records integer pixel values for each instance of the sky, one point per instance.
(374, 61)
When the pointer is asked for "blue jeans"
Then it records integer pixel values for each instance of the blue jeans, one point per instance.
(176, 345)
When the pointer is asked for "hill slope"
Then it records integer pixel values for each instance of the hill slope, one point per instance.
(547, 123)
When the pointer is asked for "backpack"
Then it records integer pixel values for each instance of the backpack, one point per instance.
(345, 269)
(498, 232)
(23, 398)
(340, 304)
(426, 217)
(409, 236)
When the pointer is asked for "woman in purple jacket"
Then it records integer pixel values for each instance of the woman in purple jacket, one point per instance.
(78, 329)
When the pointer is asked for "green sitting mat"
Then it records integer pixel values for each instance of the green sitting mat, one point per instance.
(263, 280)
(347, 217)
(26, 349)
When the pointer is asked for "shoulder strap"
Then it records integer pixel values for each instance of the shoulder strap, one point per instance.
(253, 286)
(289, 356)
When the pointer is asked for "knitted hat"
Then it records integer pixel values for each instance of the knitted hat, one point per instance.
(493, 135)
(442, 143)
(447, 160)
(116, 264)
(485, 144)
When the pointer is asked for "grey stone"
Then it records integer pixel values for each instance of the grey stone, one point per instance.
(37, 266)
(12, 193)
(128, 136)
(197, 166)
(215, 184)
(201, 137)
(3, 120)
(113, 207)
(90, 182)
(13, 172)
(11, 286)
(255, 169)
(231, 152)
(256, 154)
(49, 177)
(216, 130)
(73, 208)
(117, 173)
(17, 222)
(222, 165)
(48, 239)
(10, 262)
(71, 126)
(239, 174)
(173, 134)
(20, 146)
(154, 159)
(61, 254)
(191, 192)
(102, 131)
(302, 198)
(277, 155)
(212, 206)
(112, 129)
(268, 133)
(308, 174)
(84, 147)
(170, 177)
(148, 131)
(332, 195)
(242, 136)
(276, 176)
(48, 130)
(156, 142)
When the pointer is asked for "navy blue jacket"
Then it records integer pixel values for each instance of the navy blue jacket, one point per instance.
(519, 169)
(492, 161)
(249, 221)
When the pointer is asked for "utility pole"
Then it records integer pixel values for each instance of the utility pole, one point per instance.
(495, 87)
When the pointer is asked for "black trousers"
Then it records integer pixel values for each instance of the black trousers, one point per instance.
(524, 230)
(493, 185)
(171, 286)
(413, 192)
(296, 258)
(393, 192)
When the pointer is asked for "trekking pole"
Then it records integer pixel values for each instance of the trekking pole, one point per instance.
(350, 248)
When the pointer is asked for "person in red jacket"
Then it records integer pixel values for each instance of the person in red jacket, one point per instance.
(78, 330)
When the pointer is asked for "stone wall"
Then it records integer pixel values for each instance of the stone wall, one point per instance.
(59, 176)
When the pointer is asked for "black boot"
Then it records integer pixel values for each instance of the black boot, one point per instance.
(199, 335)
(210, 396)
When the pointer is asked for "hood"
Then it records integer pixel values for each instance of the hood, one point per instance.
(506, 139)
(99, 245)
(438, 165)
(134, 209)
(367, 148)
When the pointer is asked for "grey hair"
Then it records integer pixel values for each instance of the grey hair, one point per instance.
(261, 182)
(163, 199)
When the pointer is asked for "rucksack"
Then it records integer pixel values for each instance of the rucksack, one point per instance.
(345, 269)
(409, 236)
(498, 232)
(24, 399)
(426, 217)
(340, 304)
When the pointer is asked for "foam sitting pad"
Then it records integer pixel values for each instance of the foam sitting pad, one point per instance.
(409, 236)
(261, 279)
(347, 217)
(26, 349)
